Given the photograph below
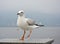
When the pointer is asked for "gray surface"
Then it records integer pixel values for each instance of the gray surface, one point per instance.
(26, 41)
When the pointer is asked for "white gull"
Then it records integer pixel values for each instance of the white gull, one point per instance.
(25, 24)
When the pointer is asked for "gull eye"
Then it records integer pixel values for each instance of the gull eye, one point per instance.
(21, 12)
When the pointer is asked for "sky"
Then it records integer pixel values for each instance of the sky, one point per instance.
(46, 12)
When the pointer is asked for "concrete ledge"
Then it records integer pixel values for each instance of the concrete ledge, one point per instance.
(33, 41)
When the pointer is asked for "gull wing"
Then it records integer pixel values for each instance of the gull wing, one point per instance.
(30, 22)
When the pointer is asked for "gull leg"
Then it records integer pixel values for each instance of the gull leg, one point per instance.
(23, 35)
(29, 34)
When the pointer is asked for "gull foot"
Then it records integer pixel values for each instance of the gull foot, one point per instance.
(22, 39)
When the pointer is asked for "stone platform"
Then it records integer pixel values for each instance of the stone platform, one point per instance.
(33, 41)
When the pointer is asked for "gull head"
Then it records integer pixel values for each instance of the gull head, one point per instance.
(20, 13)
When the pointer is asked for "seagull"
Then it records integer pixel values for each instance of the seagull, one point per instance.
(26, 24)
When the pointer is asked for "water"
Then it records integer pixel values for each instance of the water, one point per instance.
(43, 32)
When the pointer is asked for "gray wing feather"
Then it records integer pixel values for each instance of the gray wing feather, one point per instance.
(30, 22)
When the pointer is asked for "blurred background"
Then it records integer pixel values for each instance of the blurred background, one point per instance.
(46, 12)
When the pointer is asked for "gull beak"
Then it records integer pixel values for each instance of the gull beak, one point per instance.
(18, 13)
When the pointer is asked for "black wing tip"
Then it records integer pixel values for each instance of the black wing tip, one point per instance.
(39, 25)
